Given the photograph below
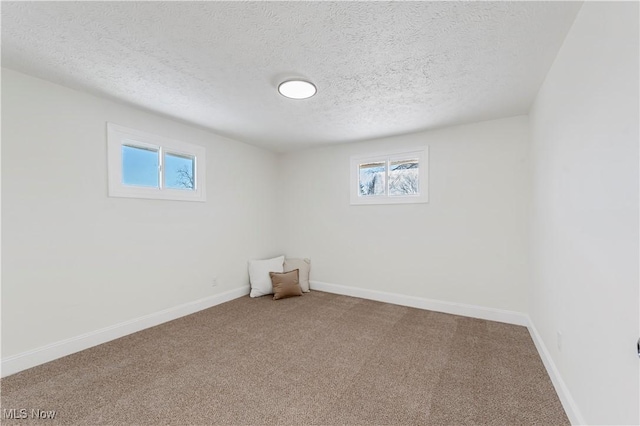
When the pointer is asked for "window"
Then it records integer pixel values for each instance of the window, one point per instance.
(390, 178)
(141, 165)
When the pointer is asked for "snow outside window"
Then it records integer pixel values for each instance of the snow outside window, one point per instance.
(390, 178)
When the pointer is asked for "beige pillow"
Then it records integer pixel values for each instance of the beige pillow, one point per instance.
(285, 284)
(304, 265)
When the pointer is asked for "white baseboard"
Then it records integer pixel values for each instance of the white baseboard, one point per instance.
(25, 360)
(568, 403)
(491, 314)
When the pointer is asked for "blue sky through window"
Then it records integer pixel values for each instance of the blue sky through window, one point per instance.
(139, 166)
(178, 171)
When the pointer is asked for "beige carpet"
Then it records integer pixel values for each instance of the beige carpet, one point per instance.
(316, 359)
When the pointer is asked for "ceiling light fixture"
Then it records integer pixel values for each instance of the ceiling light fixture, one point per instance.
(297, 89)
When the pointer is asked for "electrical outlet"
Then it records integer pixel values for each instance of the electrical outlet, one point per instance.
(214, 282)
(559, 339)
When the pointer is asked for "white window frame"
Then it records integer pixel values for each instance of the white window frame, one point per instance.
(420, 153)
(117, 136)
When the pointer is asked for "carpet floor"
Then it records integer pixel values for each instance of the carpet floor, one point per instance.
(316, 359)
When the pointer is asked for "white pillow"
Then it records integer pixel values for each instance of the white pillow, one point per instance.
(303, 266)
(259, 275)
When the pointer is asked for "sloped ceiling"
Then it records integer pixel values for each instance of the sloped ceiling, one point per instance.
(380, 68)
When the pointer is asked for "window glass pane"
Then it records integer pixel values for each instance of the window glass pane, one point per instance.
(139, 166)
(178, 171)
(403, 177)
(371, 178)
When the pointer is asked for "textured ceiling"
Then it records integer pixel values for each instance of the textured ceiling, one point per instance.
(380, 68)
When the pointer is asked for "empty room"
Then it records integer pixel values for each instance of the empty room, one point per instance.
(293, 213)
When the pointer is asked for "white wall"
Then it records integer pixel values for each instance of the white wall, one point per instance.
(585, 212)
(467, 245)
(75, 260)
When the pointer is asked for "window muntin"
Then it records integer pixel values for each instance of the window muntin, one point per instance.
(141, 165)
(390, 178)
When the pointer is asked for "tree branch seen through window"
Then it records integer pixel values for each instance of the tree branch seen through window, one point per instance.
(185, 177)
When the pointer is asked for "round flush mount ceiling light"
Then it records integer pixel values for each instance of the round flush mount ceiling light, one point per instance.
(297, 89)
